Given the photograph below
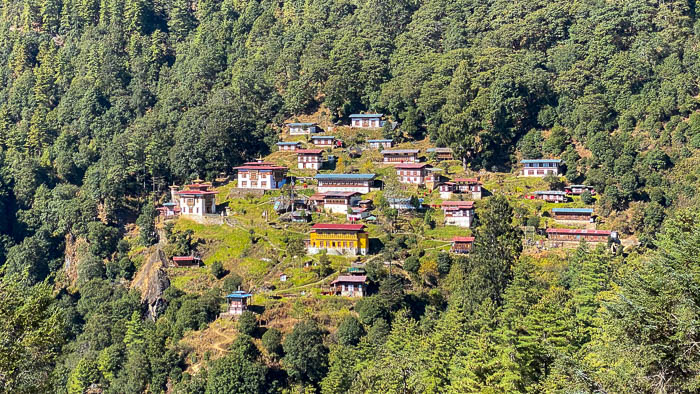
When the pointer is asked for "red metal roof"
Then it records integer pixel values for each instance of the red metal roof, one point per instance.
(309, 151)
(196, 192)
(458, 204)
(577, 231)
(463, 239)
(350, 279)
(333, 226)
(411, 165)
(183, 258)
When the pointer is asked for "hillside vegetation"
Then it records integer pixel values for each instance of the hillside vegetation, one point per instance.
(104, 103)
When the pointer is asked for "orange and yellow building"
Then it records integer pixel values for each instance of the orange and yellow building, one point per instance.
(338, 239)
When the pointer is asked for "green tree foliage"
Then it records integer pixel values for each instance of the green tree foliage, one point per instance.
(217, 269)
(240, 371)
(497, 246)
(349, 331)
(32, 330)
(272, 341)
(147, 226)
(305, 355)
(247, 323)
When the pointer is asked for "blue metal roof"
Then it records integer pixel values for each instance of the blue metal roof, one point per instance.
(573, 210)
(288, 143)
(239, 294)
(531, 161)
(364, 177)
(582, 186)
(169, 204)
(557, 192)
(321, 136)
(380, 140)
(366, 115)
(301, 124)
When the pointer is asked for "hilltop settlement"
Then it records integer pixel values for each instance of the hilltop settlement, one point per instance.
(336, 204)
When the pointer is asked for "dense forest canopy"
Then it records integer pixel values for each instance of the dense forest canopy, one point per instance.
(103, 103)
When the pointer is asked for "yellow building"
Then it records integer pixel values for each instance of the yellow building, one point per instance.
(349, 239)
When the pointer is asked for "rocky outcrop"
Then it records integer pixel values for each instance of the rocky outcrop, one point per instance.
(73, 255)
(152, 280)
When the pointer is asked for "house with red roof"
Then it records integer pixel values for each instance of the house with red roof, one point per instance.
(338, 239)
(309, 158)
(572, 236)
(186, 261)
(195, 199)
(462, 245)
(458, 213)
(413, 173)
(261, 175)
(393, 156)
(350, 285)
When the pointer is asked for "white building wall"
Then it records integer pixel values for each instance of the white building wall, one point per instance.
(338, 251)
(461, 221)
(359, 189)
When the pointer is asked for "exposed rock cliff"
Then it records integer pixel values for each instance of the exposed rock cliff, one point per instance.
(152, 280)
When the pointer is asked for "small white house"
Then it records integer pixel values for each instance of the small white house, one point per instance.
(260, 175)
(458, 213)
(366, 121)
(302, 128)
(540, 167)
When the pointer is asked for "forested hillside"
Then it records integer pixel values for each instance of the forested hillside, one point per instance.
(104, 103)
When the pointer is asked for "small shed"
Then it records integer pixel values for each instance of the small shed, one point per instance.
(238, 302)
(186, 261)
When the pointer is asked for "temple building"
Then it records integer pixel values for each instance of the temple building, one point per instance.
(237, 303)
(338, 239)
(361, 183)
(195, 199)
(261, 175)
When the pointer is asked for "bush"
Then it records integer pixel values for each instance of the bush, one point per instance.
(587, 197)
(306, 357)
(370, 309)
(350, 331)
(217, 269)
(272, 341)
(247, 323)
(411, 265)
(444, 263)
(533, 221)
(232, 283)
